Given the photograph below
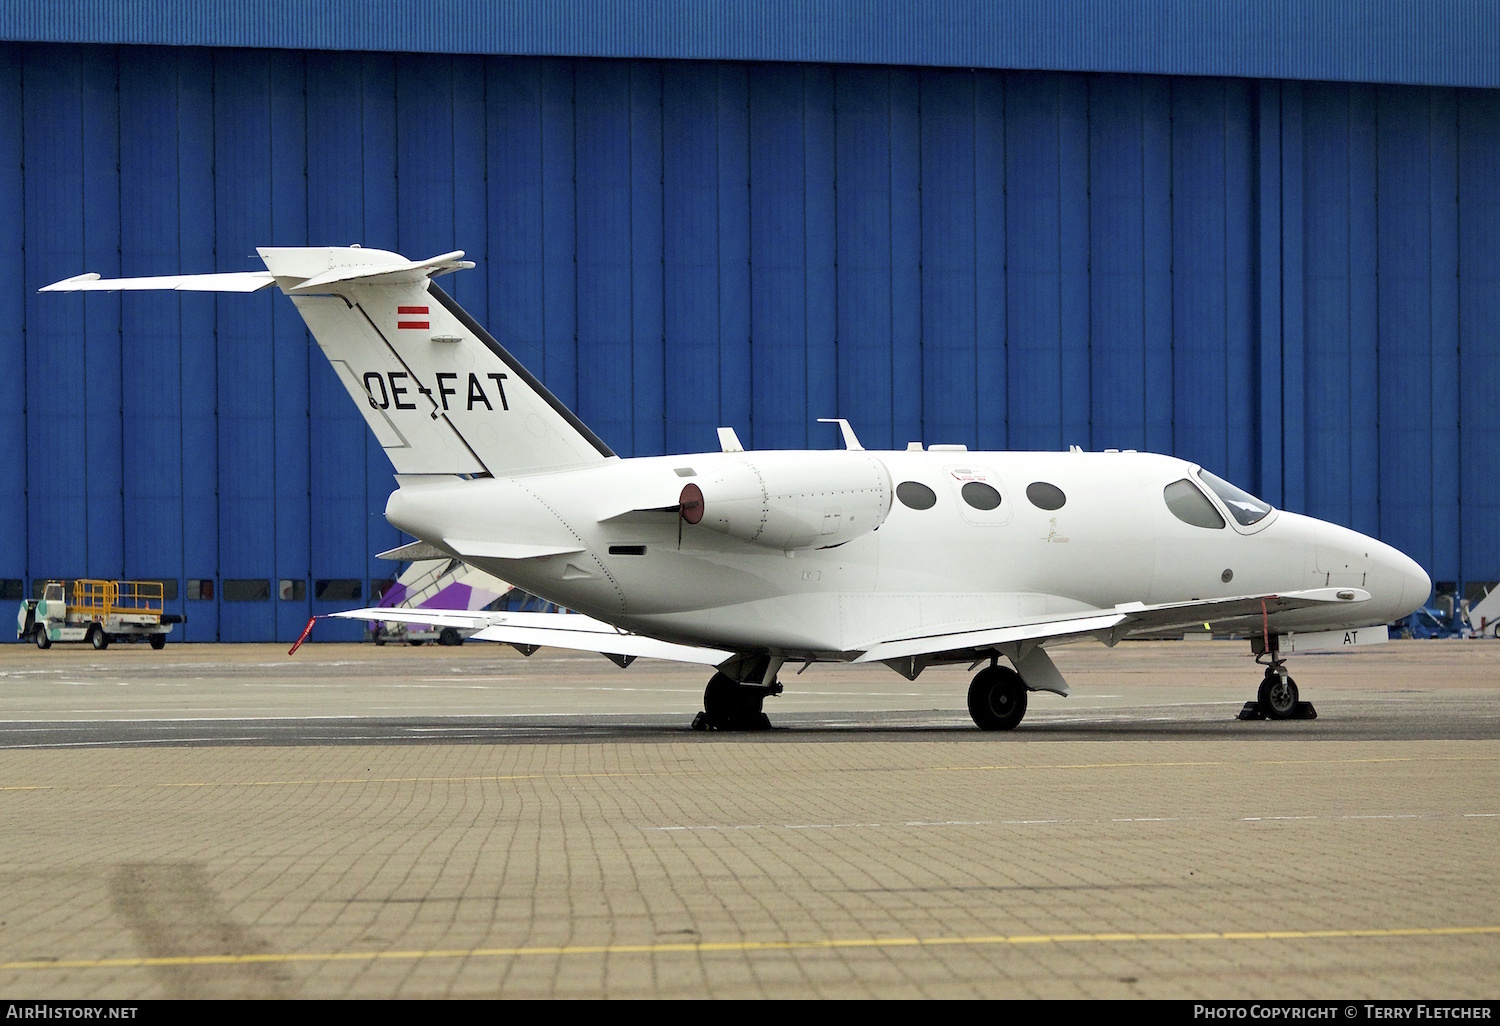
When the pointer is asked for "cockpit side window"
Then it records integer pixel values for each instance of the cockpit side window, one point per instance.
(1244, 507)
(1191, 506)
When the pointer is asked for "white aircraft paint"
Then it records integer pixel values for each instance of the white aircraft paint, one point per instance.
(747, 560)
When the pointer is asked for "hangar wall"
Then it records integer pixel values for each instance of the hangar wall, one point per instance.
(1296, 284)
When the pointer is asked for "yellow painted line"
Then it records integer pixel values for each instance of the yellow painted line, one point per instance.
(710, 947)
(1236, 763)
(1017, 767)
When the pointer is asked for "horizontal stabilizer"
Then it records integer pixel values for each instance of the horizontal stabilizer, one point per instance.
(507, 550)
(386, 274)
(413, 551)
(233, 281)
(571, 631)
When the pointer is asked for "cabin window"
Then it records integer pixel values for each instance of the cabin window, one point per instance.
(1191, 506)
(1244, 507)
(1045, 496)
(916, 495)
(980, 495)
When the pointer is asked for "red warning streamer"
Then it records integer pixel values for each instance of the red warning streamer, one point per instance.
(305, 632)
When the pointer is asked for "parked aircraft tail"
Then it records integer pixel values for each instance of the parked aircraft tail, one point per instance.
(440, 394)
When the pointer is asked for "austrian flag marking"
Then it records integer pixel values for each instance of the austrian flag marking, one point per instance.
(406, 311)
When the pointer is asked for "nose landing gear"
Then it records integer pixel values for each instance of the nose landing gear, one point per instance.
(1277, 698)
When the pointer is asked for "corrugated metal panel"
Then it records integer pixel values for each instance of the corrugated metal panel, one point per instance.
(199, 352)
(1408, 41)
(1016, 259)
(246, 373)
(863, 191)
(777, 386)
(950, 389)
(1479, 331)
(100, 368)
(605, 298)
(647, 254)
(57, 498)
(13, 508)
(690, 254)
(1117, 281)
(151, 338)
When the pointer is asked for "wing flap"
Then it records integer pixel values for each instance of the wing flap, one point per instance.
(989, 637)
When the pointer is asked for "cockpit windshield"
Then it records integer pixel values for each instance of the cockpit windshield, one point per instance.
(1244, 507)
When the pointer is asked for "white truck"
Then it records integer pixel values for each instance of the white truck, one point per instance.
(97, 612)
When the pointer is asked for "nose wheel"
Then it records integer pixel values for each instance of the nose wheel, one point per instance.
(1278, 695)
(1277, 698)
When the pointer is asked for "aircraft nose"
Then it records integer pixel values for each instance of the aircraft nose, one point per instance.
(1415, 584)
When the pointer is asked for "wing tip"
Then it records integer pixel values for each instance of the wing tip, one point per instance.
(77, 279)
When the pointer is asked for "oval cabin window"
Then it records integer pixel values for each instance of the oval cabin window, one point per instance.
(1045, 496)
(980, 495)
(916, 495)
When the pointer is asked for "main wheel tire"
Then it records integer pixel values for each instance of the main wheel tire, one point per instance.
(997, 698)
(158, 641)
(414, 643)
(730, 705)
(450, 636)
(40, 635)
(98, 638)
(1278, 697)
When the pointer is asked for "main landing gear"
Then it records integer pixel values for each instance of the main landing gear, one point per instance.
(997, 698)
(735, 704)
(1277, 698)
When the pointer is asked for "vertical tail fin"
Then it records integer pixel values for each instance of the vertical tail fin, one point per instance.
(441, 395)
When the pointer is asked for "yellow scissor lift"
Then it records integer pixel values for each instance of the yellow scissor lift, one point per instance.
(97, 612)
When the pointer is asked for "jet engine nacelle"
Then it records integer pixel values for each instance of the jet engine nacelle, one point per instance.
(792, 500)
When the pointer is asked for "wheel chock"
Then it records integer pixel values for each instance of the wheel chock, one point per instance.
(746, 722)
(1253, 711)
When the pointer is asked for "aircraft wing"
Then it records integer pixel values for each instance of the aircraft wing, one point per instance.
(529, 631)
(1243, 614)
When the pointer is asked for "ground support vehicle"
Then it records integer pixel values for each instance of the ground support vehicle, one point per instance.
(97, 612)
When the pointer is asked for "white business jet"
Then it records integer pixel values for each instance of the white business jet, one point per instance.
(745, 561)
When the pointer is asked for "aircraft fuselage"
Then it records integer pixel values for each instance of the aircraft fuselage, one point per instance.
(1113, 540)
